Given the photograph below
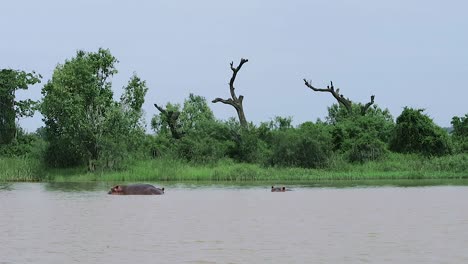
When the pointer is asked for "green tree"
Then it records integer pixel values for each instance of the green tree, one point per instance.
(280, 123)
(76, 101)
(133, 98)
(195, 113)
(360, 137)
(131, 103)
(246, 142)
(10, 109)
(25, 144)
(167, 121)
(460, 133)
(124, 129)
(84, 125)
(308, 146)
(415, 132)
(208, 143)
(191, 134)
(366, 148)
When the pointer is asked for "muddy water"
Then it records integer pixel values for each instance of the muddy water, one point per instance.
(71, 223)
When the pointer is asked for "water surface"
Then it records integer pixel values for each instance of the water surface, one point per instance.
(228, 223)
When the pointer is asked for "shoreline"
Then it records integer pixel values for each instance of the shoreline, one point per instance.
(399, 167)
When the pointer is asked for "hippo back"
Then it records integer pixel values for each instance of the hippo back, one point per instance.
(136, 189)
(142, 189)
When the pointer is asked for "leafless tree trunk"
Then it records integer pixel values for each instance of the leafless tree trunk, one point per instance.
(235, 101)
(340, 97)
(171, 117)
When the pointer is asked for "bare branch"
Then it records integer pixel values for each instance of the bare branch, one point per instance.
(234, 100)
(160, 109)
(172, 120)
(234, 75)
(364, 108)
(228, 101)
(331, 89)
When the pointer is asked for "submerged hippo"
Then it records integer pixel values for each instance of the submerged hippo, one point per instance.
(279, 189)
(136, 189)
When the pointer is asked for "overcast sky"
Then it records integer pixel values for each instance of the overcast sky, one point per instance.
(407, 53)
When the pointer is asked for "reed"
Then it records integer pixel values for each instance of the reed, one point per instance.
(394, 167)
(20, 169)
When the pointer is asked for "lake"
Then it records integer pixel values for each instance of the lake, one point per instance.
(357, 222)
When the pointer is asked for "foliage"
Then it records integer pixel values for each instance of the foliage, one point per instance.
(24, 145)
(415, 132)
(87, 129)
(403, 167)
(337, 113)
(460, 133)
(83, 122)
(195, 114)
(362, 137)
(308, 146)
(21, 169)
(367, 148)
(246, 144)
(204, 138)
(160, 123)
(10, 108)
(280, 123)
(203, 146)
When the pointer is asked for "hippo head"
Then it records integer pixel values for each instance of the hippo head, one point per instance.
(116, 190)
(278, 189)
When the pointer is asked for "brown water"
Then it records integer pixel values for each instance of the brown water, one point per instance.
(70, 223)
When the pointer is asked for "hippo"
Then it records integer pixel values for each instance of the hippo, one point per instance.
(279, 189)
(136, 189)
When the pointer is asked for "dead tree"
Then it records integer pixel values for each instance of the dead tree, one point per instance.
(172, 118)
(340, 97)
(235, 101)
(366, 106)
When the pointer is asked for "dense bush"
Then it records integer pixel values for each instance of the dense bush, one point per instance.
(195, 136)
(24, 144)
(308, 146)
(246, 143)
(86, 126)
(209, 143)
(361, 137)
(415, 132)
(365, 149)
(460, 133)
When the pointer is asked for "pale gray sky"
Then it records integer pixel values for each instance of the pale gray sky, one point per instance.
(407, 53)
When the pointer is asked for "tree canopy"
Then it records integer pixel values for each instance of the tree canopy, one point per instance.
(85, 126)
(10, 108)
(415, 132)
(83, 122)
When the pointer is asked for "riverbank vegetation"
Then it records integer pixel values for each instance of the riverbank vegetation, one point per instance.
(90, 136)
(394, 167)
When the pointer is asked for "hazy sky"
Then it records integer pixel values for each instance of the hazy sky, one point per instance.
(407, 53)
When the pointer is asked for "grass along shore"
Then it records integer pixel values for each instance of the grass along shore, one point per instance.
(396, 166)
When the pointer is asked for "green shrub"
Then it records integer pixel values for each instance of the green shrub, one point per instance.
(367, 149)
(309, 146)
(460, 133)
(350, 128)
(415, 132)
